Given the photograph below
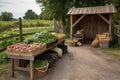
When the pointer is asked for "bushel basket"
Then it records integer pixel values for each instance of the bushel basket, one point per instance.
(40, 72)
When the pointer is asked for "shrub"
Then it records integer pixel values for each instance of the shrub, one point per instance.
(3, 57)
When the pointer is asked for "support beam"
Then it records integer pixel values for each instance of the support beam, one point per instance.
(79, 20)
(71, 31)
(102, 17)
(110, 24)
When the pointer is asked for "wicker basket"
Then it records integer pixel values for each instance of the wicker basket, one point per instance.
(73, 42)
(40, 72)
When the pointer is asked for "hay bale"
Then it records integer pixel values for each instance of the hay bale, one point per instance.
(95, 43)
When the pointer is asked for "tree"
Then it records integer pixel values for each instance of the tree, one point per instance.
(6, 16)
(0, 17)
(30, 15)
(44, 15)
(117, 5)
(56, 9)
(59, 8)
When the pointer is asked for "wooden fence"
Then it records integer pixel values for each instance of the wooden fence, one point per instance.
(20, 35)
(19, 23)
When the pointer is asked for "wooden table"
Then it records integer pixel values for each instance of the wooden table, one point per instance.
(30, 58)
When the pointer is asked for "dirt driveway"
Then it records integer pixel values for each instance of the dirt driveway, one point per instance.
(82, 63)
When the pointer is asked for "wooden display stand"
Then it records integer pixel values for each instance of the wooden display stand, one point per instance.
(29, 58)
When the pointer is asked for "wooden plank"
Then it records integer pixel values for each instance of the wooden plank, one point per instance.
(102, 17)
(71, 22)
(85, 11)
(89, 10)
(31, 70)
(77, 10)
(78, 20)
(110, 25)
(21, 57)
(73, 10)
(81, 11)
(12, 67)
(22, 69)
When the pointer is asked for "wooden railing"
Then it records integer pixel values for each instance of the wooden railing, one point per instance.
(20, 34)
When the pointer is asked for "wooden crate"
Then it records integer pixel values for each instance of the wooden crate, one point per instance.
(104, 44)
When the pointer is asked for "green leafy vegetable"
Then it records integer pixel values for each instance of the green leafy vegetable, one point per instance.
(39, 63)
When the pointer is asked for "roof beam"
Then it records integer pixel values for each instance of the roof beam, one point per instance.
(102, 17)
(79, 20)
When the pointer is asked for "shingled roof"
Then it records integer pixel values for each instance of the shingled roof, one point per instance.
(92, 10)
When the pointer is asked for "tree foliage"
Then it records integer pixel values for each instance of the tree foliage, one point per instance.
(6, 16)
(117, 5)
(59, 8)
(30, 15)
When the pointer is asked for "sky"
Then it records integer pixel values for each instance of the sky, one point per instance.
(19, 7)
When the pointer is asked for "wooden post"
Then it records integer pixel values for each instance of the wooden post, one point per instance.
(31, 70)
(110, 24)
(102, 17)
(20, 29)
(56, 27)
(79, 20)
(12, 67)
(71, 29)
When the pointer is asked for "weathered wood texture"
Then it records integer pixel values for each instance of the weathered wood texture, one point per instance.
(92, 10)
(56, 26)
(93, 20)
(20, 29)
(92, 25)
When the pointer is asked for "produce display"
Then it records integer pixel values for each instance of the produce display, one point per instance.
(60, 37)
(37, 43)
(42, 37)
(23, 48)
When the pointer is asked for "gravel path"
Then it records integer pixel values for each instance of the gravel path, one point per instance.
(81, 63)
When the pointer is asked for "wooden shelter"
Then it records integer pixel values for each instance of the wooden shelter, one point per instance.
(93, 20)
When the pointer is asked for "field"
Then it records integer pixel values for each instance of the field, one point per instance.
(28, 23)
(113, 52)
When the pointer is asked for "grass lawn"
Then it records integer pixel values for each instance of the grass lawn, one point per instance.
(28, 23)
(5, 70)
(114, 52)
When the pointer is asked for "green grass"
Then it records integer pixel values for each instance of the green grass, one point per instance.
(28, 23)
(25, 30)
(5, 70)
(34, 23)
(4, 65)
(114, 51)
(7, 42)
